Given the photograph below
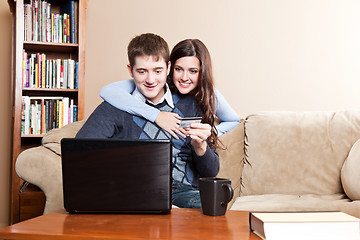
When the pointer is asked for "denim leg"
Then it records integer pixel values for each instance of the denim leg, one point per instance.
(185, 196)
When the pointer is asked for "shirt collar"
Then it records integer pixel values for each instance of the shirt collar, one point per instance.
(167, 96)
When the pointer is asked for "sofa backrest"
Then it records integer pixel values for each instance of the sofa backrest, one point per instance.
(297, 152)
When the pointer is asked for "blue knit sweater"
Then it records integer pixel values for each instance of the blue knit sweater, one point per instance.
(109, 122)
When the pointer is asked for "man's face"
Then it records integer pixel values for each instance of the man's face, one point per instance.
(150, 76)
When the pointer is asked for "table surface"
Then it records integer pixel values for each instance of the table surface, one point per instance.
(180, 224)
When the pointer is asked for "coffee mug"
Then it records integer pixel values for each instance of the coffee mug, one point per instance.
(215, 194)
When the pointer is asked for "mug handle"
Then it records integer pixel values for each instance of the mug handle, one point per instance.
(230, 190)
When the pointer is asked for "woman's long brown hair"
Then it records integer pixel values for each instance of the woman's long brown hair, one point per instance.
(204, 92)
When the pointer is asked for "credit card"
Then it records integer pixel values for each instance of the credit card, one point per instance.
(187, 121)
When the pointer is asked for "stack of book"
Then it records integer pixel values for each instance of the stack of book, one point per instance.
(39, 72)
(41, 114)
(41, 24)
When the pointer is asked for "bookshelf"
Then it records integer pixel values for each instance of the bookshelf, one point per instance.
(43, 58)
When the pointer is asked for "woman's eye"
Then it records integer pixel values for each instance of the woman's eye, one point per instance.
(194, 71)
(178, 69)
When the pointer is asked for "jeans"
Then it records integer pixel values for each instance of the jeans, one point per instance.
(185, 196)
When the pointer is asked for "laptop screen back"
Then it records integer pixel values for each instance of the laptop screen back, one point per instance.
(113, 175)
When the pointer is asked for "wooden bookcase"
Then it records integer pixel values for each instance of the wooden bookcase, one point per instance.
(27, 202)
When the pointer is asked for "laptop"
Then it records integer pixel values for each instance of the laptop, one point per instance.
(116, 175)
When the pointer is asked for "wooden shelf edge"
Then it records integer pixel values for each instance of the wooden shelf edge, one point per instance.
(32, 136)
(51, 89)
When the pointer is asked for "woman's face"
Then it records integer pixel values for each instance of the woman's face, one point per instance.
(186, 74)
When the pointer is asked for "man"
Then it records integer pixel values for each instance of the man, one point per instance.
(192, 157)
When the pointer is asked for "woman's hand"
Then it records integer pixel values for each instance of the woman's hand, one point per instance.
(198, 133)
(170, 122)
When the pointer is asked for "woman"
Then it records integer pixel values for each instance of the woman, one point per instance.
(190, 73)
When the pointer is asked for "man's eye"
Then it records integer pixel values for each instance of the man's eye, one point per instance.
(141, 71)
(158, 71)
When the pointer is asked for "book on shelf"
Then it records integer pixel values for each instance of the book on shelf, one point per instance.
(41, 114)
(41, 72)
(70, 10)
(41, 24)
(304, 225)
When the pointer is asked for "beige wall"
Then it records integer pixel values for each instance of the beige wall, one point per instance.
(267, 55)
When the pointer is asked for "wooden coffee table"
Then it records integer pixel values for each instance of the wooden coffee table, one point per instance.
(180, 224)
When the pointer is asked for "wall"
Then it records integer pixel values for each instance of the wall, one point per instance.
(5, 110)
(267, 55)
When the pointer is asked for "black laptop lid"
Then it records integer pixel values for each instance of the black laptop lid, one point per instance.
(113, 175)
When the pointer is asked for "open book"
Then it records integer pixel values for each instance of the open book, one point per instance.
(305, 225)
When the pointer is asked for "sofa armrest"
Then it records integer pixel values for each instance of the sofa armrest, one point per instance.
(42, 167)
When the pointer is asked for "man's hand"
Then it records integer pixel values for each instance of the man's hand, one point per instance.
(170, 122)
(198, 133)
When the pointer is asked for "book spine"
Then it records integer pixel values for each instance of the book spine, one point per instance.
(58, 71)
(24, 70)
(35, 20)
(52, 27)
(61, 74)
(65, 68)
(72, 22)
(43, 68)
(57, 114)
(71, 117)
(48, 22)
(76, 74)
(65, 110)
(71, 72)
(42, 114)
(23, 109)
(75, 113)
(39, 70)
(36, 70)
(27, 72)
(51, 115)
(43, 21)
(25, 22)
(47, 110)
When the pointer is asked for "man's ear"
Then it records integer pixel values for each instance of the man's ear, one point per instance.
(168, 68)
(130, 70)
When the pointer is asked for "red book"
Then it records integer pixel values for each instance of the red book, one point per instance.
(61, 75)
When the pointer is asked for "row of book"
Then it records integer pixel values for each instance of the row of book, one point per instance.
(40, 72)
(41, 24)
(41, 114)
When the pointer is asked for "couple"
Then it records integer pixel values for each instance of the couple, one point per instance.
(149, 98)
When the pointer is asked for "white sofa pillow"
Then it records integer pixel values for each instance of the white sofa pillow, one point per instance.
(350, 173)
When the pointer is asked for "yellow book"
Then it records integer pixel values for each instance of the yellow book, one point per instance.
(61, 114)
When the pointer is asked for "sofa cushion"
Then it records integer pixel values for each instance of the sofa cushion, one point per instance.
(307, 202)
(297, 152)
(231, 157)
(350, 173)
(52, 139)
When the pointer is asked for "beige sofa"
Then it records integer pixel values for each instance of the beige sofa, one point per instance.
(277, 161)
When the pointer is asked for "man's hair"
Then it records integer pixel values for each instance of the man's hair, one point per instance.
(148, 44)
